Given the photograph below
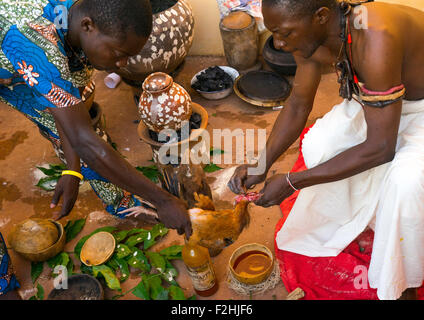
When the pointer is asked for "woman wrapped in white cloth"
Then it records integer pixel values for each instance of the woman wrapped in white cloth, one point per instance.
(365, 158)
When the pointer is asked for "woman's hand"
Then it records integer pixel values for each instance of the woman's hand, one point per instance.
(241, 181)
(276, 189)
(68, 187)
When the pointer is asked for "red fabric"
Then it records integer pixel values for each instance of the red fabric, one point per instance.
(327, 278)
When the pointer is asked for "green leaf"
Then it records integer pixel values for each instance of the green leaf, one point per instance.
(113, 263)
(139, 261)
(107, 273)
(157, 230)
(170, 274)
(61, 259)
(40, 292)
(122, 251)
(124, 269)
(47, 183)
(150, 172)
(36, 270)
(142, 290)
(216, 151)
(157, 292)
(47, 172)
(58, 167)
(176, 293)
(193, 297)
(157, 260)
(121, 235)
(78, 246)
(73, 228)
(70, 267)
(172, 252)
(136, 239)
(211, 167)
(136, 231)
(86, 269)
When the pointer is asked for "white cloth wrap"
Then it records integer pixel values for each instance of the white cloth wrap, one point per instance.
(389, 198)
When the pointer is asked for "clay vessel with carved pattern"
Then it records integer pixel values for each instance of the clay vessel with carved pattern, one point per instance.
(163, 104)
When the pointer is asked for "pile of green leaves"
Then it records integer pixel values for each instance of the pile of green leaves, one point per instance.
(53, 173)
(131, 252)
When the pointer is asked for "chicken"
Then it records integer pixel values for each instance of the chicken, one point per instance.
(217, 229)
(184, 181)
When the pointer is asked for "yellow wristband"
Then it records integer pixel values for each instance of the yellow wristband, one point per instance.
(73, 173)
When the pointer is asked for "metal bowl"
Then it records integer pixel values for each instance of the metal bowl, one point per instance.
(216, 95)
(36, 240)
(80, 287)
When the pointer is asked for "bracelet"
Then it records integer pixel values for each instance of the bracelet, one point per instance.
(288, 181)
(73, 173)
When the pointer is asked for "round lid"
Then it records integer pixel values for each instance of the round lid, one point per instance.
(157, 81)
(237, 20)
(98, 248)
(263, 86)
(34, 235)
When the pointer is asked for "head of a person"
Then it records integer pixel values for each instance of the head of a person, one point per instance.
(111, 31)
(299, 26)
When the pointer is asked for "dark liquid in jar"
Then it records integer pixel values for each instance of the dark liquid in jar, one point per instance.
(252, 263)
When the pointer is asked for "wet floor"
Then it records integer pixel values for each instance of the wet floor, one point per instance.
(22, 148)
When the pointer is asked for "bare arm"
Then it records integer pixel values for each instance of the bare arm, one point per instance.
(289, 124)
(292, 119)
(381, 69)
(101, 157)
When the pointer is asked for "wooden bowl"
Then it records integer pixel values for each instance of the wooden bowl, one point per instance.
(98, 248)
(42, 254)
(80, 287)
(252, 279)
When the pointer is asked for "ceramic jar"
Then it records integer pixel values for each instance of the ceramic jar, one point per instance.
(167, 46)
(163, 104)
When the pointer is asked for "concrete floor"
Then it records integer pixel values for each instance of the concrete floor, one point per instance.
(22, 149)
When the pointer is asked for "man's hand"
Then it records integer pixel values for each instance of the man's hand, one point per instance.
(173, 214)
(68, 187)
(276, 189)
(241, 181)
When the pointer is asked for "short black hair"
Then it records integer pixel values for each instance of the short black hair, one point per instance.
(117, 17)
(302, 7)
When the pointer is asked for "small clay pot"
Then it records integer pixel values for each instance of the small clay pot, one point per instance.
(280, 61)
(163, 104)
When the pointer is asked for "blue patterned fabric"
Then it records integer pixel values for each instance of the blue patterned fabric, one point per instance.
(38, 70)
(8, 280)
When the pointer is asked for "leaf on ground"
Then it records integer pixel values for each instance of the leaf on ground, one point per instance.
(36, 270)
(211, 167)
(47, 183)
(124, 269)
(172, 252)
(150, 172)
(122, 251)
(214, 151)
(176, 293)
(157, 292)
(156, 260)
(111, 279)
(139, 261)
(72, 228)
(137, 238)
(170, 274)
(142, 290)
(47, 172)
(157, 230)
(121, 235)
